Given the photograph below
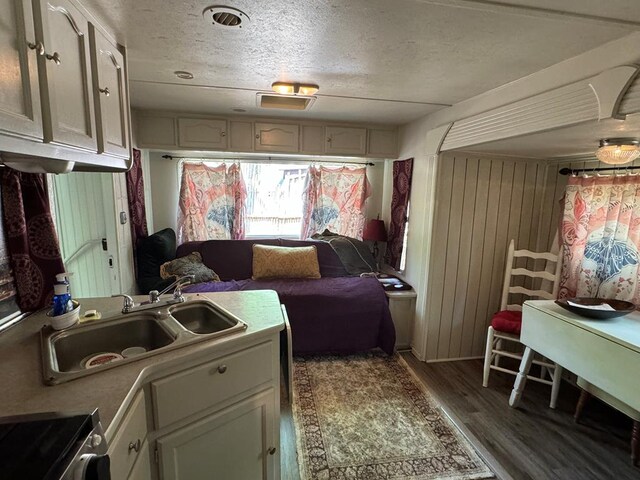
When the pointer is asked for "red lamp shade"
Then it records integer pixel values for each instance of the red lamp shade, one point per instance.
(375, 231)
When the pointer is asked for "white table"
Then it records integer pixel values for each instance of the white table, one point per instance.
(606, 353)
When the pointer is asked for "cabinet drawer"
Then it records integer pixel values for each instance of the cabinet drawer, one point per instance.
(188, 392)
(129, 438)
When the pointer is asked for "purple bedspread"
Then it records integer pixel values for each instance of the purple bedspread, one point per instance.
(327, 315)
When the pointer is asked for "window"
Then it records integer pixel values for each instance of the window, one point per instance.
(252, 200)
(274, 199)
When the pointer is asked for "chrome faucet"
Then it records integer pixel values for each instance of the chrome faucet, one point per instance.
(154, 296)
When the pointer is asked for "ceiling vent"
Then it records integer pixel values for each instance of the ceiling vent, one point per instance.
(284, 102)
(226, 16)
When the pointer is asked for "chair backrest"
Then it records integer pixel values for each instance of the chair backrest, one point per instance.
(546, 267)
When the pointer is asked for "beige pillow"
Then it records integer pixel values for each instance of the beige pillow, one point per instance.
(285, 262)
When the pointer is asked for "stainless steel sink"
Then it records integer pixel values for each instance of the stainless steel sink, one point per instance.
(73, 347)
(157, 330)
(202, 317)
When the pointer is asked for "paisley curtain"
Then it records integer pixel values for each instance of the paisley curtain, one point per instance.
(212, 203)
(135, 194)
(31, 237)
(601, 238)
(402, 173)
(334, 199)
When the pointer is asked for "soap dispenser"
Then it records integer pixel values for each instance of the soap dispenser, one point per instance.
(62, 295)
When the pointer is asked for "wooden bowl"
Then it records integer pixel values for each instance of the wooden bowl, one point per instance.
(620, 307)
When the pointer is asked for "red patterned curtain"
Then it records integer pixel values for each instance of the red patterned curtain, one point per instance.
(402, 172)
(135, 192)
(31, 237)
(212, 203)
(601, 238)
(334, 199)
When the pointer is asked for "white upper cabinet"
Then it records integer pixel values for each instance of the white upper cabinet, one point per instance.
(110, 95)
(19, 92)
(202, 133)
(65, 74)
(383, 143)
(312, 139)
(276, 137)
(346, 140)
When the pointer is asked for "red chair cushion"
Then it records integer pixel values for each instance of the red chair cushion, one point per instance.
(507, 321)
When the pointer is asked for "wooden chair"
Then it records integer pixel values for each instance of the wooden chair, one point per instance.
(541, 283)
(589, 390)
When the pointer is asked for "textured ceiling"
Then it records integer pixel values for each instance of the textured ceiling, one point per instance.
(375, 60)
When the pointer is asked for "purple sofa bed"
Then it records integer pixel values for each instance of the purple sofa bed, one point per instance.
(333, 314)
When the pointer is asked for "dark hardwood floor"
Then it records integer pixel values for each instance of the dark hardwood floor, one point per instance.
(531, 442)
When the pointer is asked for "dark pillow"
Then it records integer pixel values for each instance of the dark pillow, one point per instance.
(151, 253)
(189, 265)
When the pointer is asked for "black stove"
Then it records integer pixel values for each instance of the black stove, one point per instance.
(52, 446)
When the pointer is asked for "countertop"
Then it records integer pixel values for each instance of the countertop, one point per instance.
(23, 390)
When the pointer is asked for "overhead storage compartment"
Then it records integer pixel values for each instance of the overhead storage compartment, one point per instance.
(611, 94)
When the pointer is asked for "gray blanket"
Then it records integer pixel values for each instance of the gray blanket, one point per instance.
(354, 254)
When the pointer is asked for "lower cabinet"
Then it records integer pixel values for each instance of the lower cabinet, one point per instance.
(237, 443)
(141, 469)
(210, 418)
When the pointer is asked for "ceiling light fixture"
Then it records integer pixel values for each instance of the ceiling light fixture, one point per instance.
(616, 151)
(286, 88)
(183, 75)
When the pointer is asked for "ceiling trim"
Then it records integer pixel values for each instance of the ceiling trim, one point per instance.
(524, 10)
(253, 90)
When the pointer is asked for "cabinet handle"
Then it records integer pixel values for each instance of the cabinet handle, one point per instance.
(222, 368)
(272, 451)
(258, 136)
(135, 446)
(223, 134)
(104, 90)
(55, 58)
(38, 47)
(328, 139)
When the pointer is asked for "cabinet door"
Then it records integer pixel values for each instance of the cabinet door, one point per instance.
(241, 136)
(19, 92)
(383, 143)
(346, 140)
(141, 470)
(312, 139)
(237, 443)
(65, 74)
(202, 133)
(125, 447)
(110, 95)
(276, 137)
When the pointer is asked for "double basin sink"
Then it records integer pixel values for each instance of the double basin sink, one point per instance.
(150, 331)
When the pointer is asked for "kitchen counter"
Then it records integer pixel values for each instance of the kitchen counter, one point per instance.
(23, 390)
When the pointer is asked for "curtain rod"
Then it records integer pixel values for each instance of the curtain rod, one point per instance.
(369, 164)
(575, 171)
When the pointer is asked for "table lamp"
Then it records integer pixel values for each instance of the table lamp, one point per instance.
(375, 231)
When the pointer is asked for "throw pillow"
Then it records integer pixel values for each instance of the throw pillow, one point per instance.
(189, 265)
(285, 262)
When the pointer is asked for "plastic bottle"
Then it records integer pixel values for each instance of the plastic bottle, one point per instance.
(62, 295)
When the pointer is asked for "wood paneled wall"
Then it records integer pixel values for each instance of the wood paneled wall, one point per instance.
(481, 204)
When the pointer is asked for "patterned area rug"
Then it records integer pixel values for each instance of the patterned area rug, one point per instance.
(365, 417)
